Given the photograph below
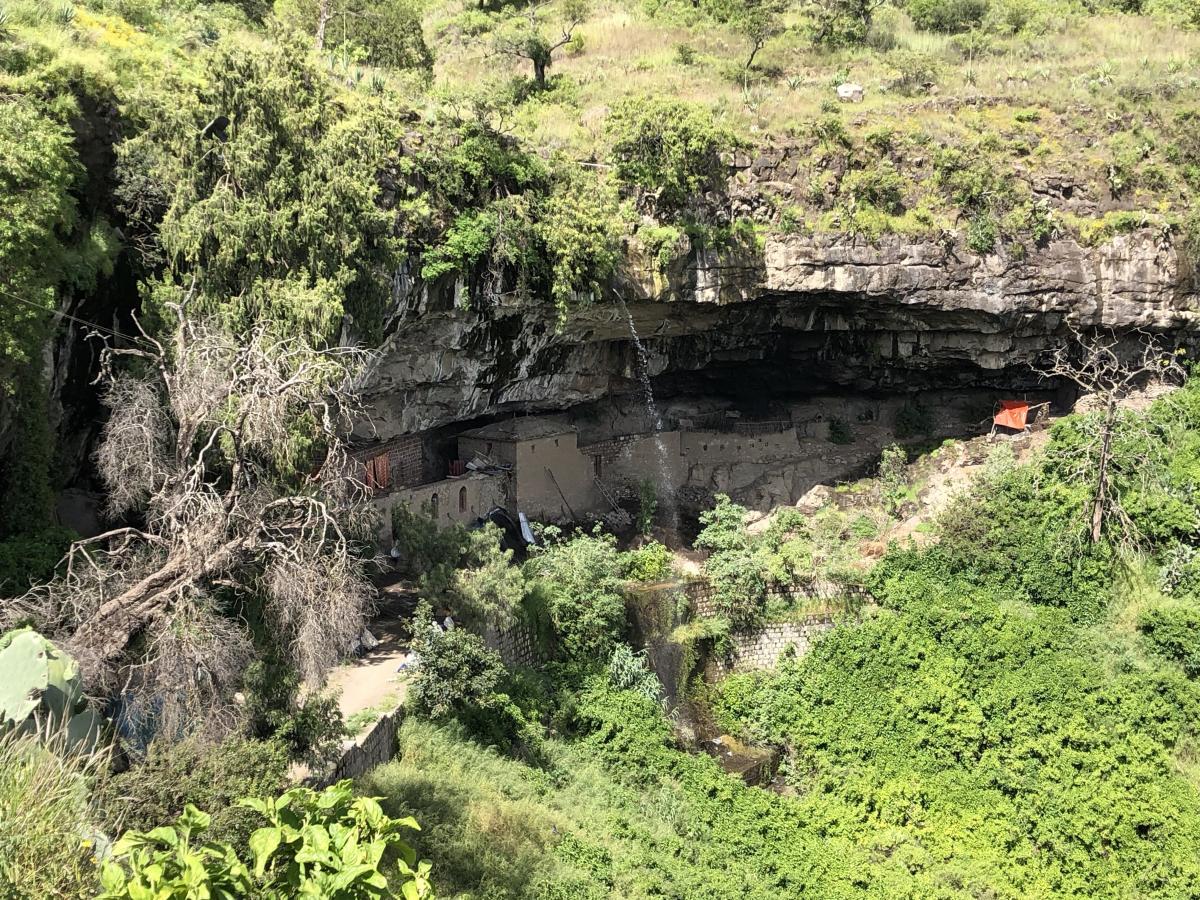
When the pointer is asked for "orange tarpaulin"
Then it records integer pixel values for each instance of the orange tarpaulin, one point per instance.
(1013, 414)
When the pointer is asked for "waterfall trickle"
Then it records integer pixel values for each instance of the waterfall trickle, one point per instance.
(666, 478)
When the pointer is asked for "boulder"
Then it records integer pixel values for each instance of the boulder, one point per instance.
(849, 92)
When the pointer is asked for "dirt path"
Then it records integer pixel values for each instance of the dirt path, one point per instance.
(371, 683)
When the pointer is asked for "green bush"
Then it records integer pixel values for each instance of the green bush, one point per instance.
(428, 554)
(880, 186)
(840, 23)
(1180, 12)
(947, 16)
(735, 571)
(457, 673)
(384, 33)
(650, 562)
(581, 579)
(669, 148)
(628, 671)
(488, 589)
(1174, 632)
(155, 790)
(912, 71)
(309, 727)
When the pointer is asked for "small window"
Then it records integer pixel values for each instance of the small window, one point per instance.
(462, 499)
(598, 466)
(433, 505)
(556, 442)
(532, 448)
(489, 449)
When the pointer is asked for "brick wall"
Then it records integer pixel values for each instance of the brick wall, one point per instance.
(515, 644)
(761, 648)
(406, 459)
(817, 591)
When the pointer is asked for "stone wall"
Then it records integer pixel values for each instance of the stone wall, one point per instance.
(371, 749)
(516, 645)
(762, 648)
(713, 447)
(462, 499)
(623, 463)
(815, 592)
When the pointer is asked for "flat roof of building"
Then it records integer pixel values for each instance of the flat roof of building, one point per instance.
(524, 428)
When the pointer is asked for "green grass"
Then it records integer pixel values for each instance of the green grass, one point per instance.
(496, 828)
(47, 837)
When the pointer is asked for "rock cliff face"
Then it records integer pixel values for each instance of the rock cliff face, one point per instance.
(809, 314)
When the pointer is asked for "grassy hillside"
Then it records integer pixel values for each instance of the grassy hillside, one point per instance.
(1016, 719)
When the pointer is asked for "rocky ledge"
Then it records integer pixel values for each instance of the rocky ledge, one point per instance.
(808, 313)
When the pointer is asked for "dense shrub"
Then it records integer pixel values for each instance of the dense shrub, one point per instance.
(1020, 537)
(48, 834)
(282, 227)
(308, 725)
(628, 671)
(382, 33)
(880, 186)
(581, 579)
(488, 589)
(669, 148)
(948, 16)
(156, 790)
(733, 569)
(1174, 632)
(649, 562)
(426, 552)
(457, 673)
(925, 728)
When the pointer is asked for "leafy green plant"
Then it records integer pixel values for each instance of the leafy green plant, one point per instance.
(649, 562)
(879, 185)
(893, 477)
(457, 673)
(333, 844)
(628, 671)
(327, 844)
(488, 588)
(172, 862)
(159, 785)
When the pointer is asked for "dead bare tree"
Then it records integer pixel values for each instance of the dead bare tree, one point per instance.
(228, 454)
(1106, 369)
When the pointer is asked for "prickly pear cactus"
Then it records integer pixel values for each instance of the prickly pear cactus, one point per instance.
(40, 689)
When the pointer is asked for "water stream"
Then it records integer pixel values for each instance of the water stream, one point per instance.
(666, 477)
